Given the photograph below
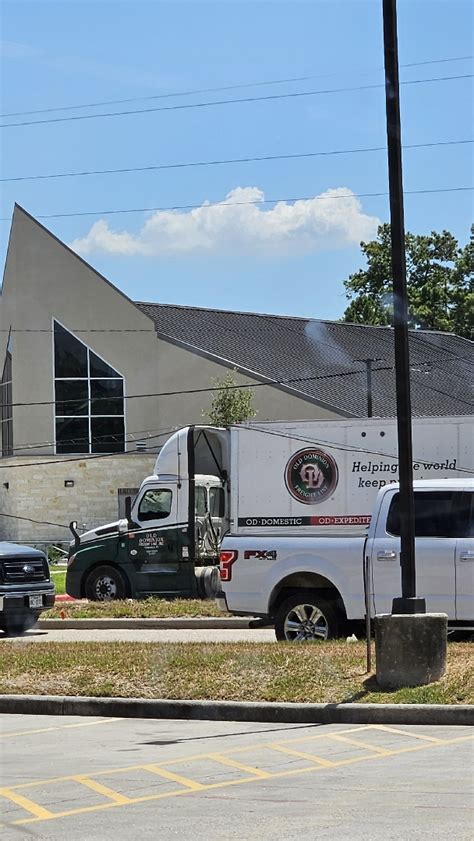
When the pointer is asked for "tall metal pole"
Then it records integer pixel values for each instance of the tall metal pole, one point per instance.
(408, 602)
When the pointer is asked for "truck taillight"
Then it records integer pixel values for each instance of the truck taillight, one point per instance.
(226, 559)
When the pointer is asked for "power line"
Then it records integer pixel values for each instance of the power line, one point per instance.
(334, 445)
(222, 88)
(247, 99)
(255, 159)
(211, 389)
(237, 203)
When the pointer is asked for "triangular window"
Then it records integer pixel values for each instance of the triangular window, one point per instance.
(89, 398)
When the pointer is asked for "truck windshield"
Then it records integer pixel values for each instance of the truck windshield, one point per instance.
(200, 501)
(155, 504)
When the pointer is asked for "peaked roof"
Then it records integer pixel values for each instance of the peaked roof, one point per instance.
(321, 360)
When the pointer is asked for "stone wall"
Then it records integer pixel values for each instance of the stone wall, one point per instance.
(33, 489)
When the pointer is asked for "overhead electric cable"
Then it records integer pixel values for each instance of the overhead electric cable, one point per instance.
(255, 159)
(210, 205)
(225, 88)
(220, 102)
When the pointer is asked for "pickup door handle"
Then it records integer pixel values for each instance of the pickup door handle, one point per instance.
(466, 556)
(389, 555)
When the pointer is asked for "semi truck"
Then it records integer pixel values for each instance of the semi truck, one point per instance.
(275, 479)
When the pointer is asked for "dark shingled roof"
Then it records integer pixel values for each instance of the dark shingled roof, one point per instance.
(324, 354)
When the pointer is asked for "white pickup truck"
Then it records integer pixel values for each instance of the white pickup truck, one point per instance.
(313, 587)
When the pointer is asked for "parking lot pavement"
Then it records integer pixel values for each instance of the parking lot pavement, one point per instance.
(106, 779)
(146, 635)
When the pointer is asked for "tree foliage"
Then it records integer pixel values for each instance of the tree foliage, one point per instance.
(440, 283)
(230, 404)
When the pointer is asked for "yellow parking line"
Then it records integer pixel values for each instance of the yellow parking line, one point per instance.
(358, 743)
(35, 808)
(176, 778)
(104, 790)
(324, 762)
(59, 727)
(410, 735)
(249, 769)
(227, 783)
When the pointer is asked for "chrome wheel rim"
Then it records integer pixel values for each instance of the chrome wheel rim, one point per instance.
(105, 589)
(305, 623)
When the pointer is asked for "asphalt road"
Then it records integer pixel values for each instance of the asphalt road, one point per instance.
(101, 779)
(145, 635)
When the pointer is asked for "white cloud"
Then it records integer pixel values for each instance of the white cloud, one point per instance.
(334, 219)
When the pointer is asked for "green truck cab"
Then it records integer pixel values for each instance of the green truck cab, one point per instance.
(168, 543)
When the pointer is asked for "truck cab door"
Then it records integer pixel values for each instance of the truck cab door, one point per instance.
(155, 548)
(465, 562)
(435, 547)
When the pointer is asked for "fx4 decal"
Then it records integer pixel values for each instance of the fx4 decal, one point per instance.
(261, 554)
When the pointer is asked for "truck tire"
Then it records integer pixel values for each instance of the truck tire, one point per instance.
(105, 584)
(207, 580)
(305, 617)
(15, 624)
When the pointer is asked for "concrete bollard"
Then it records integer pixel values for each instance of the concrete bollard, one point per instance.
(410, 650)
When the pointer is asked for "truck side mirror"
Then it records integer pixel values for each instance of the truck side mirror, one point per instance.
(128, 510)
(74, 532)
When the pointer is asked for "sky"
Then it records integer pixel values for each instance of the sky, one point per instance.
(236, 247)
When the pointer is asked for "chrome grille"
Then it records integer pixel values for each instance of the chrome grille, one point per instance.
(24, 571)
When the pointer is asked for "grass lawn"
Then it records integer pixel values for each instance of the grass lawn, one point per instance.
(133, 609)
(320, 672)
(58, 576)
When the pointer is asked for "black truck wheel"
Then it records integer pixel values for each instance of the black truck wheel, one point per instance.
(15, 623)
(305, 617)
(105, 584)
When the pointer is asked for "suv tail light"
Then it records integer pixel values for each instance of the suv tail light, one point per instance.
(226, 559)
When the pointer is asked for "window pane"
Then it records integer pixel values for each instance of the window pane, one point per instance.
(107, 397)
(108, 435)
(155, 505)
(437, 514)
(99, 368)
(72, 435)
(200, 502)
(70, 355)
(217, 502)
(66, 393)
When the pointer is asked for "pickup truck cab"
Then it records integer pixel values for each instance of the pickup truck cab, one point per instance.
(26, 588)
(315, 587)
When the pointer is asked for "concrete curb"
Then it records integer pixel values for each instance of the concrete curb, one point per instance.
(421, 714)
(203, 623)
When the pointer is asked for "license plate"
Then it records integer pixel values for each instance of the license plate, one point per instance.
(36, 601)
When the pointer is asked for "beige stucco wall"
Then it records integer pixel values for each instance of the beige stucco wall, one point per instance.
(43, 279)
(36, 490)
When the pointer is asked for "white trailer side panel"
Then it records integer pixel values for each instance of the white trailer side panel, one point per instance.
(319, 476)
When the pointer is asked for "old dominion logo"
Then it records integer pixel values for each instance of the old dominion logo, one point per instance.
(311, 476)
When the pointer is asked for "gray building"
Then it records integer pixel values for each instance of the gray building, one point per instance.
(93, 382)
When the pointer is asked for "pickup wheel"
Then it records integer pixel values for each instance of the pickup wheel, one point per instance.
(305, 617)
(105, 584)
(15, 624)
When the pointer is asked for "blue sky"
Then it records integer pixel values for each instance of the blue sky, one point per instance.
(290, 259)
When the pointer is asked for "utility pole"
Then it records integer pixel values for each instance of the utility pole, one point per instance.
(408, 603)
(368, 365)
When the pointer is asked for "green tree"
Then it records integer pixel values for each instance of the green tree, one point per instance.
(440, 283)
(230, 404)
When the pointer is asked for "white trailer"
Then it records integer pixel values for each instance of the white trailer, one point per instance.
(323, 477)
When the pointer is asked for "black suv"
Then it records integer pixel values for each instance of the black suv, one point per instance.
(26, 588)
